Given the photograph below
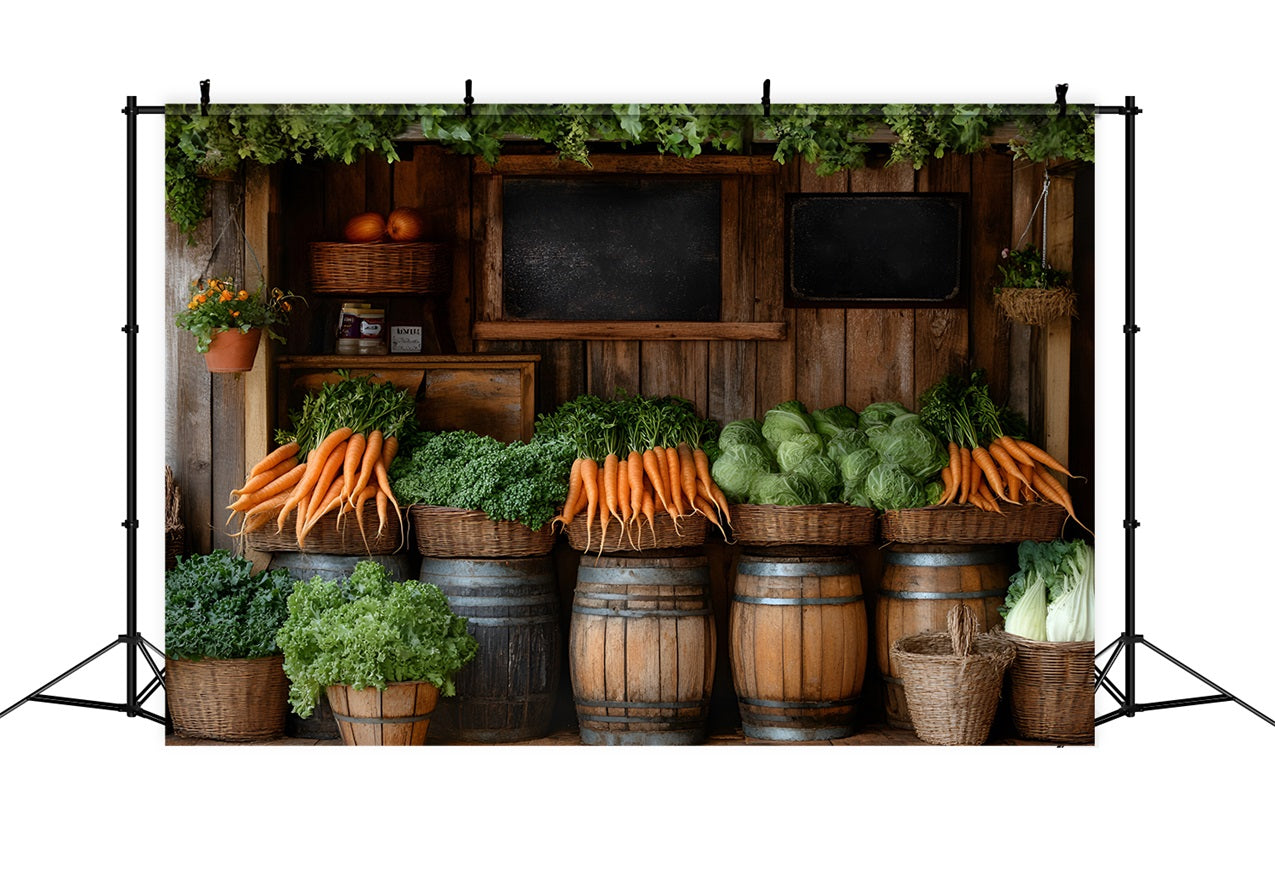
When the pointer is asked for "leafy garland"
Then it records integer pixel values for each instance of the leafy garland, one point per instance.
(833, 137)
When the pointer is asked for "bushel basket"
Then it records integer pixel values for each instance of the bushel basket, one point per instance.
(824, 525)
(389, 267)
(227, 699)
(666, 535)
(1051, 689)
(335, 536)
(952, 679)
(454, 533)
(967, 524)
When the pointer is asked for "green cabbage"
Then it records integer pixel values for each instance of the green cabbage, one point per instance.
(880, 414)
(784, 421)
(855, 467)
(797, 449)
(736, 469)
(844, 443)
(856, 496)
(823, 472)
(890, 487)
(741, 432)
(907, 442)
(830, 422)
(784, 489)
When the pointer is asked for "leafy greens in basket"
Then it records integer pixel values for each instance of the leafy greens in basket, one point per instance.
(1051, 597)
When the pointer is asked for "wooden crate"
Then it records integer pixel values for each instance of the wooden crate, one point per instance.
(490, 394)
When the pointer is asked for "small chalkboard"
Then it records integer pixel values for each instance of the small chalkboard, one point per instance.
(870, 249)
(611, 248)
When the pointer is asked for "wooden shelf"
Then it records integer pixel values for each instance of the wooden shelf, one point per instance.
(628, 330)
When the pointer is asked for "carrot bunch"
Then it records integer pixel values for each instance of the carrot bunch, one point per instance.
(348, 434)
(986, 466)
(636, 458)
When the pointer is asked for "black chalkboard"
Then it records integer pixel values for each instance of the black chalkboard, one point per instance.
(862, 249)
(612, 249)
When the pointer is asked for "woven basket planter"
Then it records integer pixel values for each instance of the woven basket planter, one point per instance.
(952, 695)
(329, 537)
(227, 699)
(824, 525)
(1036, 306)
(397, 716)
(454, 533)
(1052, 690)
(966, 524)
(692, 532)
(390, 267)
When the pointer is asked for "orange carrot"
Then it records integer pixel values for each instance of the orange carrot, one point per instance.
(648, 511)
(1013, 485)
(257, 481)
(705, 507)
(1007, 462)
(988, 466)
(273, 458)
(986, 493)
(703, 473)
(589, 471)
(636, 488)
(1014, 449)
(350, 467)
(267, 507)
(976, 474)
(672, 467)
(389, 449)
(966, 469)
(368, 493)
(609, 480)
(330, 499)
(575, 486)
(371, 453)
(949, 487)
(1039, 455)
(624, 497)
(687, 472)
(651, 464)
(281, 484)
(331, 469)
(315, 461)
(382, 511)
(383, 478)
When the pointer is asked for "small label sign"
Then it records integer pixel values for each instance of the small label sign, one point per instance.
(405, 339)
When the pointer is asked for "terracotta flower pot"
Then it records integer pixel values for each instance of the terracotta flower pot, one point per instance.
(232, 350)
(398, 716)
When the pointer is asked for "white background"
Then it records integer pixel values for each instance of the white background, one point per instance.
(1175, 786)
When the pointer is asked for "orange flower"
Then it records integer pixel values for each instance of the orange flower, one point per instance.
(234, 314)
(201, 299)
(192, 304)
(243, 294)
(226, 296)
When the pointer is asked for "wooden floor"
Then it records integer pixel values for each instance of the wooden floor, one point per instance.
(869, 736)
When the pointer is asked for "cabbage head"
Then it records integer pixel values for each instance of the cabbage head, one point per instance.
(907, 442)
(844, 443)
(740, 432)
(830, 422)
(736, 469)
(856, 496)
(880, 414)
(889, 487)
(784, 489)
(825, 475)
(796, 449)
(933, 492)
(784, 421)
(855, 466)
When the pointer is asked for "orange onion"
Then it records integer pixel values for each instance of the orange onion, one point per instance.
(366, 227)
(405, 224)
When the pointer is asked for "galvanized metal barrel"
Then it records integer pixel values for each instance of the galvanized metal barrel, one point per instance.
(919, 585)
(642, 650)
(798, 645)
(507, 693)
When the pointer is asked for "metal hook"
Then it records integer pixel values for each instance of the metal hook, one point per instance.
(469, 97)
(203, 96)
(1061, 91)
(765, 98)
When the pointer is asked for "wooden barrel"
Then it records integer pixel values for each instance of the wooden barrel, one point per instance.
(919, 585)
(798, 645)
(320, 725)
(642, 650)
(397, 716)
(507, 692)
(326, 566)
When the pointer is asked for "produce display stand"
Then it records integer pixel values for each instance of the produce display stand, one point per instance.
(138, 647)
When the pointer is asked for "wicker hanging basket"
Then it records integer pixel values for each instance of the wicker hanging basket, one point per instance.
(952, 679)
(1036, 306)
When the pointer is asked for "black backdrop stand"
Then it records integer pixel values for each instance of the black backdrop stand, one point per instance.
(1130, 640)
(131, 640)
(1127, 643)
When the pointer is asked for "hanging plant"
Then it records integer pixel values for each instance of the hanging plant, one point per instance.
(831, 137)
(1031, 291)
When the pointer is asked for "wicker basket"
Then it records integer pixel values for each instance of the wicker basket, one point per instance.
(1051, 690)
(693, 530)
(824, 525)
(327, 537)
(227, 699)
(952, 679)
(453, 533)
(966, 524)
(1036, 306)
(391, 267)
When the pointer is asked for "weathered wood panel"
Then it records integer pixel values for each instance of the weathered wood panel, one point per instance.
(821, 332)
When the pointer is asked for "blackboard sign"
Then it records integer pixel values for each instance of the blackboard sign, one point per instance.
(612, 249)
(862, 249)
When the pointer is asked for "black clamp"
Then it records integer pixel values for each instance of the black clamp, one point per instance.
(1131, 524)
(130, 328)
(765, 98)
(203, 96)
(469, 97)
(129, 524)
(1061, 91)
(1128, 330)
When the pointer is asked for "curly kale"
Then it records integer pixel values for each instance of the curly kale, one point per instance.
(522, 482)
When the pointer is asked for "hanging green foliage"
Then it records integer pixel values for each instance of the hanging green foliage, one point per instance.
(831, 137)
